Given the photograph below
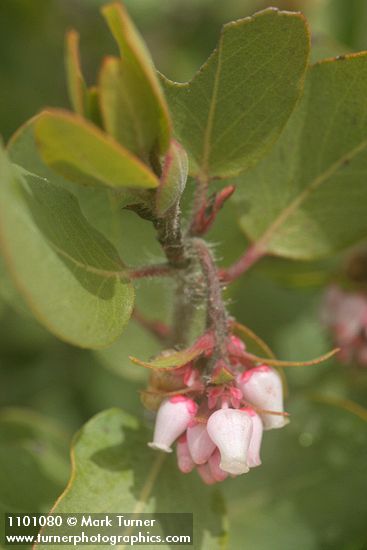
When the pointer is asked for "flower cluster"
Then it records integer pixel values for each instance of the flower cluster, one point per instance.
(218, 419)
(345, 315)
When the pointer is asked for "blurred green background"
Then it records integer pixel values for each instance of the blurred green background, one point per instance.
(311, 491)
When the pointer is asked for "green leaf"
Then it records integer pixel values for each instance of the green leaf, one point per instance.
(70, 275)
(114, 470)
(10, 294)
(94, 106)
(235, 107)
(133, 105)
(34, 461)
(134, 340)
(173, 179)
(128, 113)
(81, 152)
(171, 359)
(307, 198)
(100, 205)
(76, 84)
(85, 101)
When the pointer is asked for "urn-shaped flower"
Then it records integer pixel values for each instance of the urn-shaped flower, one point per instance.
(262, 387)
(173, 417)
(231, 431)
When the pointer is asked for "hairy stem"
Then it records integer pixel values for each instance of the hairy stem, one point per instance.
(183, 312)
(217, 318)
(175, 248)
(154, 270)
(197, 274)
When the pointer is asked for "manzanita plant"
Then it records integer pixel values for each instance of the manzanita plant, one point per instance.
(283, 141)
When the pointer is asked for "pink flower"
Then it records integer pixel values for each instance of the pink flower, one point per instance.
(213, 395)
(345, 313)
(173, 417)
(262, 387)
(235, 348)
(237, 342)
(191, 377)
(199, 443)
(350, 317)
(184, 459)
(331, 302)
(253, 455)
(231, 431)
(215, 469)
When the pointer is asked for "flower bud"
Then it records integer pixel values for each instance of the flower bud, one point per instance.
(350, 318)
(167, 380)
(262, 387)
(345, 313)
(235, 348)
(332, 299)
(231, 431)
(253, 455)
(199, 443)
(215, 469)
(173, 417)
(235, 345)
(191, 377)
(184, 459)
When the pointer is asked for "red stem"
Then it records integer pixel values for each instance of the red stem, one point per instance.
(252, 255)
(200, 199)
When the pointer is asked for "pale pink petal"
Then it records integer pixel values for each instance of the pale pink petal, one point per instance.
(199, 443)
(253, 455)
(173, 417)
(231, 431)
(216, 470)
(262, 387)
(184, 459)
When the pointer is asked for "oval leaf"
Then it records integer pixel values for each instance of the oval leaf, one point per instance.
(69, 274)
(76, 84)
(234, 108)
(81, 152)
(114, 470)
(307, 198)
(133, 105)
(127, 109)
